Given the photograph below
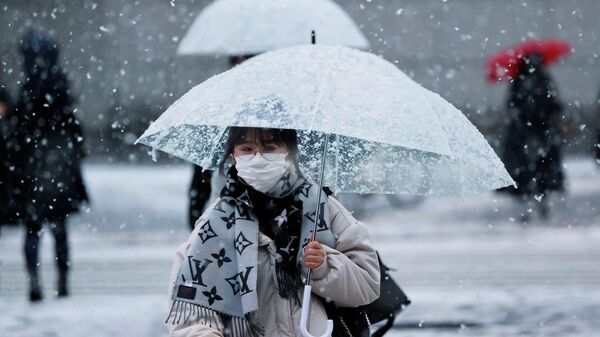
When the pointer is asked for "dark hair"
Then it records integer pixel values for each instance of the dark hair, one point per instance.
(283, 137)
(40, 52)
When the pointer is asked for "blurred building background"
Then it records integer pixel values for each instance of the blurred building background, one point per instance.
(120, 55)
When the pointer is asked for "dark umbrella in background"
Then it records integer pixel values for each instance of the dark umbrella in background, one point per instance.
(504, 64)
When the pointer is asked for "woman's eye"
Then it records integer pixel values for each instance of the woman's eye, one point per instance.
(271, 148)
(244, 149)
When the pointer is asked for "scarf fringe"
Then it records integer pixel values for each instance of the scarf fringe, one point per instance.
(186, 313)
(189, 313)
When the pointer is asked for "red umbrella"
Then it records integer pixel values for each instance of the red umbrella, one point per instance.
(504, 65)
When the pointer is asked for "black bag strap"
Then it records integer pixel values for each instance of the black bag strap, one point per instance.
(359, 328)
(384, 328)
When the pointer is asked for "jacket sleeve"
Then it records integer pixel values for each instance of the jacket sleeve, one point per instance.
(195, 328)
(350, 274)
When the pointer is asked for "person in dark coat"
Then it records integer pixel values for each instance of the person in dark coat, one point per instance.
(199, 193)
(532, 142)
(7, 215)
(48, 141)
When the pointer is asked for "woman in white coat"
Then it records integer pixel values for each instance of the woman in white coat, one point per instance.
(241, 271)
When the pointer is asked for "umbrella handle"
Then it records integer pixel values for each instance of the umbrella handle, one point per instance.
(306, 312)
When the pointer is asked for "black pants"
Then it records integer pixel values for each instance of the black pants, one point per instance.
(199, 194)
(32, 244)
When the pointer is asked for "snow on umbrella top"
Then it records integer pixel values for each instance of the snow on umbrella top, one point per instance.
(504, 64)
(391, 134)
(249, 27)
(328, 89)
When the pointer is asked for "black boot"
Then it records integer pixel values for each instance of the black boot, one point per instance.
(35, 287)
(63, 289)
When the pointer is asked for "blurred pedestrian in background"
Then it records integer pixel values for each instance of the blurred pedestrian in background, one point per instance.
(532, 141)
(48, 140)
(6, 200)
(199, 193)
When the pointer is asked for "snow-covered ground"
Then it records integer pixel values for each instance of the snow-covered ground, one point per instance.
(468, 265)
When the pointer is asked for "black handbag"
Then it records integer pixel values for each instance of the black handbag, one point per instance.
(357, 322)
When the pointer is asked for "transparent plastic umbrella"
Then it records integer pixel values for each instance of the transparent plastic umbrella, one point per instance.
(249, 27)
(388, 134)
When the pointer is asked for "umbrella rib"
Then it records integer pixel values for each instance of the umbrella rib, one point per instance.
(337, 151)
(337, 161)
(445, 138)
(317, 103)
(208, 92)
(452, 157)
(223, 129)
(322, 87)
(214, 146)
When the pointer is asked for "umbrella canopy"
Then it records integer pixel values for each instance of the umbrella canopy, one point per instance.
(249, 27)
(504, 65)
(390, 135)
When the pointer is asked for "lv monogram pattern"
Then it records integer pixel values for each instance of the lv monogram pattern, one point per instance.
(220, 273)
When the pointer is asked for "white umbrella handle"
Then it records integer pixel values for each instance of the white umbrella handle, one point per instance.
(306, 313)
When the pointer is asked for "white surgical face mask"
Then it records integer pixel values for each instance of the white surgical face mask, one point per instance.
(262, 170)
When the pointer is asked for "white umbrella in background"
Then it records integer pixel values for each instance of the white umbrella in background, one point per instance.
(250, 27)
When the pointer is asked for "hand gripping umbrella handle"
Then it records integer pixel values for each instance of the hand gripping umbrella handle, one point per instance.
(306, 312)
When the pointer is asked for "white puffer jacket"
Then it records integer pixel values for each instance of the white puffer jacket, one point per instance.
(349, 276)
